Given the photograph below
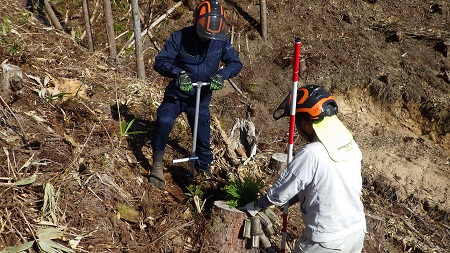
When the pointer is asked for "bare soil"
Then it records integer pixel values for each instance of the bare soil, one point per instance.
(386, 62)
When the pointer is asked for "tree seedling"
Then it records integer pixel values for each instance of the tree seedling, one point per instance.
(241, 192)
(195, 195)
(125, 127)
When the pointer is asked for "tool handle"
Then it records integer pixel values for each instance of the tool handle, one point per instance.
(200, 84)
(297, 47)
(187, 159)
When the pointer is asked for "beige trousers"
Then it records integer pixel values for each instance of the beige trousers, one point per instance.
(351, 244)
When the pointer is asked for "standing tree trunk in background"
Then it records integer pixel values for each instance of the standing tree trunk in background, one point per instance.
(138, 40)
(87, 25)
(52, 15)
(263, 18)
(110, 29)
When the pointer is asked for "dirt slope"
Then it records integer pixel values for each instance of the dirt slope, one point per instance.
(385, 61)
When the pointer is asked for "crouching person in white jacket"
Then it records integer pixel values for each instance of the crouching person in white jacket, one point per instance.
(324, 177)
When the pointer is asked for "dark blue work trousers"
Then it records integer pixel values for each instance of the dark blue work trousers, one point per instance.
(169, 110)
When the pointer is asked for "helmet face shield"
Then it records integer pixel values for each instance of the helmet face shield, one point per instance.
(283, 110)
(210, 20)
(211, 27)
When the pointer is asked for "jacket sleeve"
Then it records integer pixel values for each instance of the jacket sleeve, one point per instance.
(230, 58)
(294, 179)
(164, 61)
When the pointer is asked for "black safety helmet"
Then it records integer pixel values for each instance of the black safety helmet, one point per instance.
(313, 104)
(210, 20)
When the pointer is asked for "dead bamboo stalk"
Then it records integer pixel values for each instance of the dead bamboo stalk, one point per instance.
(150, 35)
(232, 35)
(52, 15)
(94, 16)
(138, 40)
(236, 88)
(226, 139)
(87, 25)
(263, 18)
(110, 29)
(130, 41)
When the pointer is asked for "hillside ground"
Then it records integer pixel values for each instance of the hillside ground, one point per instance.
(386, 62)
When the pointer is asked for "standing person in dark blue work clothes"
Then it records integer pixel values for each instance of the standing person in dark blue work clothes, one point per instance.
(190, 55)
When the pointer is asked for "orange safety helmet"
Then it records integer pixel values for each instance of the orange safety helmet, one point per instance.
(313, 104)
(210, 20)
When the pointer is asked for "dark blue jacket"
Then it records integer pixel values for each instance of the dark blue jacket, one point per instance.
(185, 51)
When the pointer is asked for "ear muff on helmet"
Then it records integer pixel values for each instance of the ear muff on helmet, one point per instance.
(313, 104)
(210, 20)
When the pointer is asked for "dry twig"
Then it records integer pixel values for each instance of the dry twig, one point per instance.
(130, 41)
(24, 137)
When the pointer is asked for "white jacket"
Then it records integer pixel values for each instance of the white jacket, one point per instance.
(329, 192)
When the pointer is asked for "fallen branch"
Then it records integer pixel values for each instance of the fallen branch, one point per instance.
(24, 137)
(150, 35)
(52, 15)
(173, 230)
(230, 151)
(431, 35)
(130, 41)
(80, 150)
(236, 88)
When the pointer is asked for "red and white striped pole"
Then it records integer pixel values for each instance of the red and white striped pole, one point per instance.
(297, 47)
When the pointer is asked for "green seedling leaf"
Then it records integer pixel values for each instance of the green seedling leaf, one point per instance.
(19, 248)
(125, 127)
(129, 125)
(135, 132)
(239, 193)
(26, 181)
(59, 95)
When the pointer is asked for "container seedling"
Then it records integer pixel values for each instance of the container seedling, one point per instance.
(240, 192)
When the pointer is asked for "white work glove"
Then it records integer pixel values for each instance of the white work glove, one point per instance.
(252, 208)
(259, 227)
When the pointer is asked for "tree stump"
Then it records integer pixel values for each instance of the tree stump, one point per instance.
(244, 140)
(278, 162)
(11, 82)
(225, 230)
(447, 48)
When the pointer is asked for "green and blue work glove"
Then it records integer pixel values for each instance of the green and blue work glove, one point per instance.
(216, 82)
(184, 81)
(259, 226)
